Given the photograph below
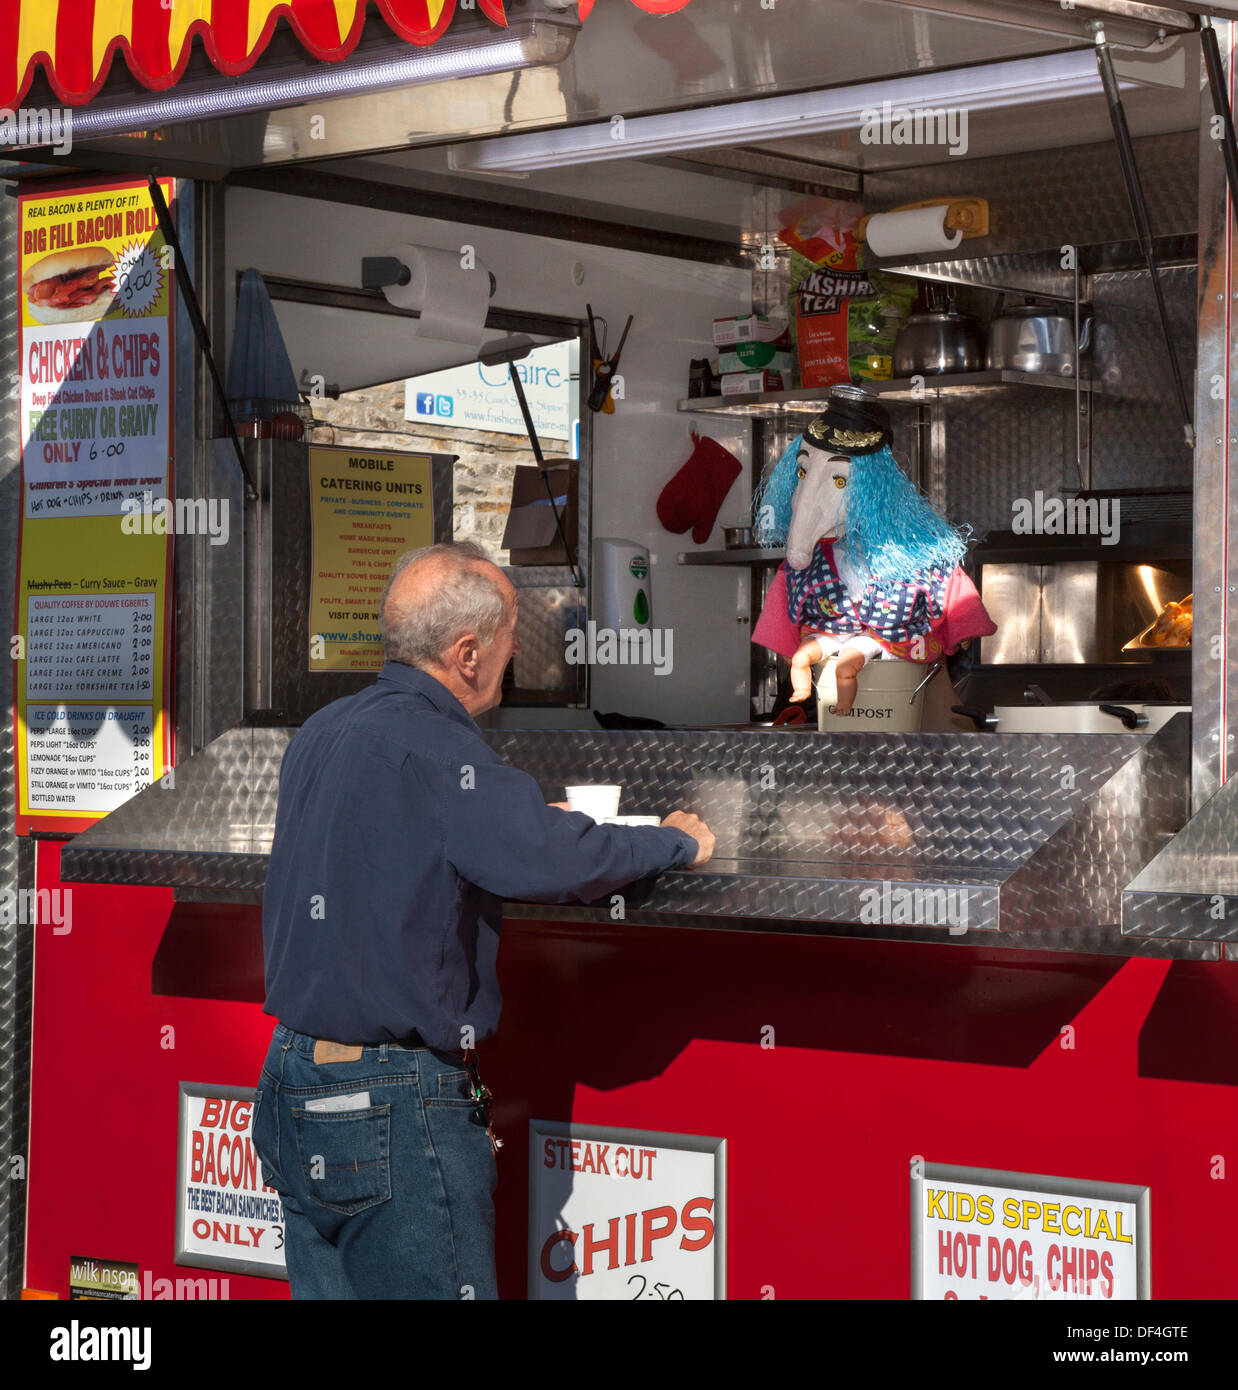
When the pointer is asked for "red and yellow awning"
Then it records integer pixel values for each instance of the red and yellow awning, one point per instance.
(74, 40)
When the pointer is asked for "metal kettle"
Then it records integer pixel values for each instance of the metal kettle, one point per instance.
(1035, 337)
(939, 341)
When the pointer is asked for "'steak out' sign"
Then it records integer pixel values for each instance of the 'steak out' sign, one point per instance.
(625, 1214)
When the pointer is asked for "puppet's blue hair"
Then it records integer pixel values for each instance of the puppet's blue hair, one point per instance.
(771, 507)
(890, 528)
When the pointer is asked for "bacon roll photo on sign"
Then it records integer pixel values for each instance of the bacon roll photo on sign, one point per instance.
(69, 286)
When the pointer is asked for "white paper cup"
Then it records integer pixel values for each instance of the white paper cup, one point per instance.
(630, 820)
(596, 801)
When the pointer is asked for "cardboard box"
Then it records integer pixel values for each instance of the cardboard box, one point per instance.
(750, 328)
(747, 383)
(753, 357)
(531, 536)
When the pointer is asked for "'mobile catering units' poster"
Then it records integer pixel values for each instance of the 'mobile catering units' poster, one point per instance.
(91, 669)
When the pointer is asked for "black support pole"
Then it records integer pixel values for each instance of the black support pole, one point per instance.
(1139, 211)
(190, 298)
(541, 463)
(1220, 103)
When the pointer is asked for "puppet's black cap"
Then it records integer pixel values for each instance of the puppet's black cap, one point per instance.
(854, 422)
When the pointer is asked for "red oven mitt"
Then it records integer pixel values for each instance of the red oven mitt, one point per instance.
(695, 494)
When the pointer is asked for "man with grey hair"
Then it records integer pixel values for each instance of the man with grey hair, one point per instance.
(399, 834)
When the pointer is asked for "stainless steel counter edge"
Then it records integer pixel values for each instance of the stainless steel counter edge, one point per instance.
(1017, 839)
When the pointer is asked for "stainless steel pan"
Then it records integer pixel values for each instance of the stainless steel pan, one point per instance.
(1087, 717)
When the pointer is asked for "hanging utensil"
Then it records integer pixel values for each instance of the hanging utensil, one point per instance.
(603, 367)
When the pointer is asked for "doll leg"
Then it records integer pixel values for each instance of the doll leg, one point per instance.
(846, 669)
(802, 662)
(852, 654)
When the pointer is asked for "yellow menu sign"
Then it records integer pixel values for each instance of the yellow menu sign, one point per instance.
(91, 725)
(366, 510)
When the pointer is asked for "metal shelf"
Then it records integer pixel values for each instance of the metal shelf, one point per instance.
(810, 400)
(732, 557)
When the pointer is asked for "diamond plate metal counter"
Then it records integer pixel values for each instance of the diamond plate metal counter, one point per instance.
(1190, 889)
(1019, 835)
(208, 826)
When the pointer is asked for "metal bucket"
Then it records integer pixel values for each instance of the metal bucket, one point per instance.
(889, 697)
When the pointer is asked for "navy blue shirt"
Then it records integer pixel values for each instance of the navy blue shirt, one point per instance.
(398, 835)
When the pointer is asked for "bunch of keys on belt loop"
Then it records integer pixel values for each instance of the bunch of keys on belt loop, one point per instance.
(484, 1099)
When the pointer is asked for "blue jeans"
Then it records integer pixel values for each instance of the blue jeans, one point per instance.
(391, 1197)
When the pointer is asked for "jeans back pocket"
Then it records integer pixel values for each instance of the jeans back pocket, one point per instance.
(345, 1157)
(264, 1136)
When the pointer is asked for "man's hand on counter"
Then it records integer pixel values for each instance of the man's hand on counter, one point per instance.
(700, 832)
(679, 820)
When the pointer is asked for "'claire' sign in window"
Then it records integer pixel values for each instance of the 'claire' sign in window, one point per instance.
(480, 397)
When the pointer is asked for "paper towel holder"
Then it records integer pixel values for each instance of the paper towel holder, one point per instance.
(964, 214)
(377, 272)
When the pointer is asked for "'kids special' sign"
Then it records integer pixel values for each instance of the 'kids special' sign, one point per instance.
(981, 1234)
(625, 1214)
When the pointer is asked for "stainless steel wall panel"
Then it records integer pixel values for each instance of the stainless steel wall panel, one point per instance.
(187, 482)
(218, 602)
(1069, 612)
(1042, 199)
(1213, 665)
(998, 447)
(1033, 272)
(997, 450)
(1137, 435)
(545, 616)
(16, 857)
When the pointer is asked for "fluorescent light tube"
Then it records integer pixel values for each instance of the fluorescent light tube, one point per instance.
(990, 87)
(383, 68)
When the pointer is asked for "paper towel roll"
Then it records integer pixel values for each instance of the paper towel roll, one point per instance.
(453, 302)
(906, 233)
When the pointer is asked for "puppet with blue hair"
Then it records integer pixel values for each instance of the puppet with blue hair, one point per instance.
(872, 571)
